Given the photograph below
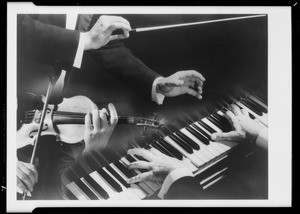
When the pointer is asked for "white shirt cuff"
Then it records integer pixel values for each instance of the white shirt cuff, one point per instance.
(172, 177)
(262, 139)
(157, 97)
(79, 52)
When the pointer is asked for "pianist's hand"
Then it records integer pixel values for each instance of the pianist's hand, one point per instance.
(100, 34)
(182, 82)
(159, 165)
(97, 133)
(244, 127)
(27, 177)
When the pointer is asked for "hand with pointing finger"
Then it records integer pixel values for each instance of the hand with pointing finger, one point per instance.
(182, 82)
(101, 32)
(159, 165)
(244, 127)
(99, 131)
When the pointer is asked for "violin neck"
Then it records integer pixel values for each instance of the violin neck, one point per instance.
(60, 117)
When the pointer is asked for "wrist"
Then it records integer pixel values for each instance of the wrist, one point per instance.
(87, 41)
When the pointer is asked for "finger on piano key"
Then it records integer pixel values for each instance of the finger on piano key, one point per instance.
(212, 144)
(140, 184)
(153, 185)
(202, 145)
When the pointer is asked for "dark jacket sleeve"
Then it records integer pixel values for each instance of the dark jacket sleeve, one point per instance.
(119, 61)
(44, 41)
(185, 188)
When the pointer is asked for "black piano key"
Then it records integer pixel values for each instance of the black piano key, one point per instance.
(169, 150)
(264, 101)
(197, 134)
(205, 135)
(172, 149)
(130, 158)
(187, 140)
(223, 121)
(202, 131)
(257, 106)
(96, 187)
(140, 158)
(117, 176)
(207, 127)
(124, 169)
(215, 122)
(69, 194)
(265, 110)
(109, 180)
(162, 149)
(251, 107)
(183, 145)
(250, 115)
(85, 189)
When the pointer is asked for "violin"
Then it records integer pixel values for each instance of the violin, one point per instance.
(65, 121)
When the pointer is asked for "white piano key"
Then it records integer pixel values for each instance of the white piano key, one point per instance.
(113, 195)
(77, 191)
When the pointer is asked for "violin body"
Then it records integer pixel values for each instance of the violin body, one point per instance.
(29, 118)
(65, 121)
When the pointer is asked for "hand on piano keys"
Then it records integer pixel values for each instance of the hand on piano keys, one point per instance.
(208, 160)
(244, 127)
(157, 166)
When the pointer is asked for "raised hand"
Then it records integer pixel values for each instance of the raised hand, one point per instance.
(97, 133)
(159, 165)
(182, 82)
(101, 32)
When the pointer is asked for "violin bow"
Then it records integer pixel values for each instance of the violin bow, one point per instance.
(144, 29)
(48, 94)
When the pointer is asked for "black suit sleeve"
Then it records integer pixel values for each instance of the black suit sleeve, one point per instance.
(44, 42)
(185, 188)
(120, 62)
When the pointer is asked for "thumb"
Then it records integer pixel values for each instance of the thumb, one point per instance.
(224, 136)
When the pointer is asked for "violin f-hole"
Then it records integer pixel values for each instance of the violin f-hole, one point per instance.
(32, 133)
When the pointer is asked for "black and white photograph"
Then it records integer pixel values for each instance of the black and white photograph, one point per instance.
(148, 106)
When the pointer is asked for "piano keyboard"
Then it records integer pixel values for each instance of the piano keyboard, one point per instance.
(108, 181)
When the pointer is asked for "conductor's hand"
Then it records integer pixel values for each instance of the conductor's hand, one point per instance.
(97, 133)
(27, 177)
(244, 127)
(101, 32)
(159, 165)
(182, 82)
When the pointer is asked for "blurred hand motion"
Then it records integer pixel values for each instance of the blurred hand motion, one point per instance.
(182, 82)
